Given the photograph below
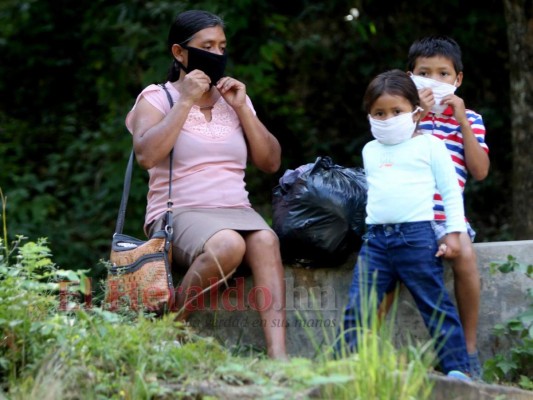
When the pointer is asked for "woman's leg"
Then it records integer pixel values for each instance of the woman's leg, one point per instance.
(264, 259)
(223, 253)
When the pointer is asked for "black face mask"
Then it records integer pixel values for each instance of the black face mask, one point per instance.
(213, 65)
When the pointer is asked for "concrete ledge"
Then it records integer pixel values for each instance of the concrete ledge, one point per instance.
(316, 298)
(446, 389)
(443, 389)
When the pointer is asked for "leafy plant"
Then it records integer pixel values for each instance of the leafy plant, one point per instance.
(517, 364)
(29, 289)
(54, 348)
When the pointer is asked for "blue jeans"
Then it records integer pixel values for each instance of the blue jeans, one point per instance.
(406, 253)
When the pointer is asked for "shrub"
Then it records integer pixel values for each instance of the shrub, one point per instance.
(516, 365)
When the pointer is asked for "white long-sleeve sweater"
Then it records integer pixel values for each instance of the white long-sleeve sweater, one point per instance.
(402, 180)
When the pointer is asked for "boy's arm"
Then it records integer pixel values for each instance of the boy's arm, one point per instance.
(446, 180)
(476, 158)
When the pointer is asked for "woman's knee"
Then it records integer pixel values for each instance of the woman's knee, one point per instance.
(264, 239)
(227, 247)
(262, 251)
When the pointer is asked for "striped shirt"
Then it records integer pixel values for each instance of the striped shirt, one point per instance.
(445, 127)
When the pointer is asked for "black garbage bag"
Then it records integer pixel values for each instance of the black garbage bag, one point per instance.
(319, 213)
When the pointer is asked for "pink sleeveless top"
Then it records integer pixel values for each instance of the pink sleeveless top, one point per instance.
(209, 158)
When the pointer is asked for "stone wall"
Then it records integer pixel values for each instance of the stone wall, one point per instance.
(316, 298)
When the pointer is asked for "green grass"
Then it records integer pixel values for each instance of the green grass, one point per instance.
(95, 354)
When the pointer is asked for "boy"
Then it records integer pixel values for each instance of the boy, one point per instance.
(435, 66)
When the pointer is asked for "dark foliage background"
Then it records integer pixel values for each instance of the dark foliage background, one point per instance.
(70, 71)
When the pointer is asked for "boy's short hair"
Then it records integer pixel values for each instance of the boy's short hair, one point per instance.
(431, 46)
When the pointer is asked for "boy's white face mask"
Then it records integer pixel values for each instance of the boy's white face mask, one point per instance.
(440, 90)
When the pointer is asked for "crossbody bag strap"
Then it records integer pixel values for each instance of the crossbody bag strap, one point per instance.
(127, 184)
(125, 194)
(168, 220)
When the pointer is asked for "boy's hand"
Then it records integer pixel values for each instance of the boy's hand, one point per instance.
(450, 246)
(458, 106)
(426, 100)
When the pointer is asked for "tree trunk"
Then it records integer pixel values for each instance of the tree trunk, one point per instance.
(519, 17)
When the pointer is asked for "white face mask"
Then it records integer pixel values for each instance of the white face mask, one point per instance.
(440, 90)
(394, 130)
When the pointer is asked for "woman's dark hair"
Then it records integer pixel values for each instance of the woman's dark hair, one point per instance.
(393, 82)
(183, 29)
(432, 46)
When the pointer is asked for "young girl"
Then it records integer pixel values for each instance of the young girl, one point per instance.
(403, 169)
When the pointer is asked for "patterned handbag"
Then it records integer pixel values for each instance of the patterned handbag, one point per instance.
(140, 273)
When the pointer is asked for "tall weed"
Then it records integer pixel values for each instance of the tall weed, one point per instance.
(378, 370)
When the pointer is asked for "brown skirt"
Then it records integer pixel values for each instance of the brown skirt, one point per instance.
(194, 226)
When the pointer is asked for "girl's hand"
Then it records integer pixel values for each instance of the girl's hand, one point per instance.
(233, 91)
(450, 246)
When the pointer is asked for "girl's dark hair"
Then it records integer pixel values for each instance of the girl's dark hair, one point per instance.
(183, 29)
(432, 46)
(394, 82)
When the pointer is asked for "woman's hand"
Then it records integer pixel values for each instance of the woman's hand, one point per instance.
(233, 91)
(194, 85)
